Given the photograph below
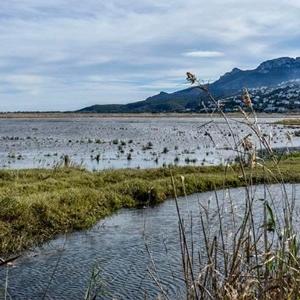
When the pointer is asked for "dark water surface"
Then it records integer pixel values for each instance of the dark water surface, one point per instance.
(117, 248)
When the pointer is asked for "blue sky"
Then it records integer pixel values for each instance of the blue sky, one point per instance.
(67, 54)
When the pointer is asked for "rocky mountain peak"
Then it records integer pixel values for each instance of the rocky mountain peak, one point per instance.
(282, 62)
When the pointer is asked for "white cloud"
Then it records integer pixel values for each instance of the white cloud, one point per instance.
(201, 54)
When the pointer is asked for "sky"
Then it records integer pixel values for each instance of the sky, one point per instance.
(68, 54)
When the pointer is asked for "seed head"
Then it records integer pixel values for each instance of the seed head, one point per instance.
(247, 144)
(246, 98)
(191, 77)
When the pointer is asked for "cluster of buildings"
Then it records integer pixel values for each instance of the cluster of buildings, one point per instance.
(281, 98)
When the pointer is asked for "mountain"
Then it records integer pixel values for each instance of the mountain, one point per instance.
(268, 74)
(184, 100)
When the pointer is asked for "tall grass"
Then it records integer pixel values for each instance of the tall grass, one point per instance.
(261, 260)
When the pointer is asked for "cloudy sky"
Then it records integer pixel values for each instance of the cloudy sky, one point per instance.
(67, 54)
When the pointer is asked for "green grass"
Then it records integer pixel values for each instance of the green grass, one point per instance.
(38, 204)
(289, 122)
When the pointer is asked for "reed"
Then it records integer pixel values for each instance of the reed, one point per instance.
(244, 257)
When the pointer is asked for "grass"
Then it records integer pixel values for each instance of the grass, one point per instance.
(38, 204)
(289, 122)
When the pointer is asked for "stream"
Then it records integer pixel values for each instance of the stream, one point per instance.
(123, 251)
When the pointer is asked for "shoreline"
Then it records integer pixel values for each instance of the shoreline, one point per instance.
(71, 115)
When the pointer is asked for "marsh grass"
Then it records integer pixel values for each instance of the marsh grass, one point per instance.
(243, 256)
(38, 204)
(261, 260)
(289, 122)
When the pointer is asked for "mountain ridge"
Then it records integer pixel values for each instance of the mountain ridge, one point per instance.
(267, 74)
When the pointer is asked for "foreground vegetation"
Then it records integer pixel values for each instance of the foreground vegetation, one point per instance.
(252, 252)
(38, 204)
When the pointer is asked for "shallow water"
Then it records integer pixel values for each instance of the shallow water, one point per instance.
(43, 142)
(117, 247)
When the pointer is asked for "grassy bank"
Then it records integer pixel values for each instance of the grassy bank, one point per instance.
(289, 122)
(38, 204)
